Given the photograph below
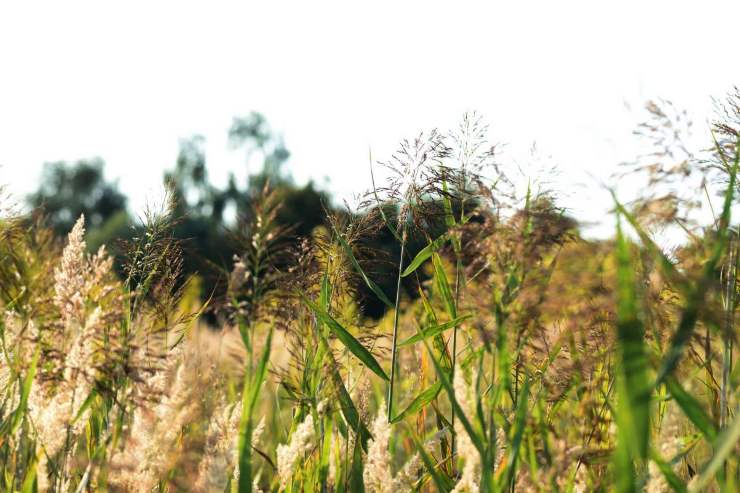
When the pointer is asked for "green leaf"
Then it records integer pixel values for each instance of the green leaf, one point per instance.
(325, 450)
(443, 483)
(666, 265)
(691, 408)
(369, 282)
(723, 446)
(422, 399)
(424, 254)
(349, 411)
(671, 478)
(444, 286)
(520, 422)
(25, 392)
(325, 292)
(356, 483)
(30, 479)
(633, 418)
(85, 405)
(695, 298)
(434, 330)
(352, 344)
(438, 342)
(261, 373)
(459, 413)
(250, 394)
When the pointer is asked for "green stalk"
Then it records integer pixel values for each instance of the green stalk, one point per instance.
(729, 329)
(458, 266)
(395, 327)
(456, 244)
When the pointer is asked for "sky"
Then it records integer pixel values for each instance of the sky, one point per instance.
(125, 81)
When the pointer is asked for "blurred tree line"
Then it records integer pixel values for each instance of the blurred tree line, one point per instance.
(205, 212)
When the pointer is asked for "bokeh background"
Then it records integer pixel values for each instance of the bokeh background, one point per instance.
(101, 105)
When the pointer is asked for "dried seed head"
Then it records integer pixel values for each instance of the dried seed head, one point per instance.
(70, 278)
(377, 474)
(288, 456)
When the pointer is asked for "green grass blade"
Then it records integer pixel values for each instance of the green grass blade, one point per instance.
(85, 405)
(261, 373)
(443, 483)
(633, 417)
(666, 265)
(438, 340)
(25, 392)
(325, 451)
(695, 299)
(250, 396)
(692, 409)
(369, 282)
(325, 292)
(356, 483)
(449, 215)
(723, 446)
(667, 471)
(422, 399)
(434, 330)
(352, 344)
(459, 413)
(424, 254)
(245, 451)
(444, 286)
(349, 411)
(520, 423)
(30, 480)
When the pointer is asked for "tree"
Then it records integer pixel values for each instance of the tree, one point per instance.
(254, 134)
(205, 213)
(68, 190)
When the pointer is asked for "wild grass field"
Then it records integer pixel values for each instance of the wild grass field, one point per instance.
(523, 357)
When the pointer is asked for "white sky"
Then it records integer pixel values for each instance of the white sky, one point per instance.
(125, 82)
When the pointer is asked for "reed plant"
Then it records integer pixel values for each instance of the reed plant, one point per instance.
(514, 354)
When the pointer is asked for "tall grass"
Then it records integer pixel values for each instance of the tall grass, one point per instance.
(514, 354)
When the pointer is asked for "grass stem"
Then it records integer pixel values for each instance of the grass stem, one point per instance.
(396, 315)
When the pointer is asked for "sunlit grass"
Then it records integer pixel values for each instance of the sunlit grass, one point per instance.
(524, 358)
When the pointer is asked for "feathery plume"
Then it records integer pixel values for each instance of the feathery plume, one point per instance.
(470, 477)
(407, 477)
(289, 455)
(377, 474)
(70, 277)
(221, 452)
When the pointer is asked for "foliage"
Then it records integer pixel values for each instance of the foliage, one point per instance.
(528, 358)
